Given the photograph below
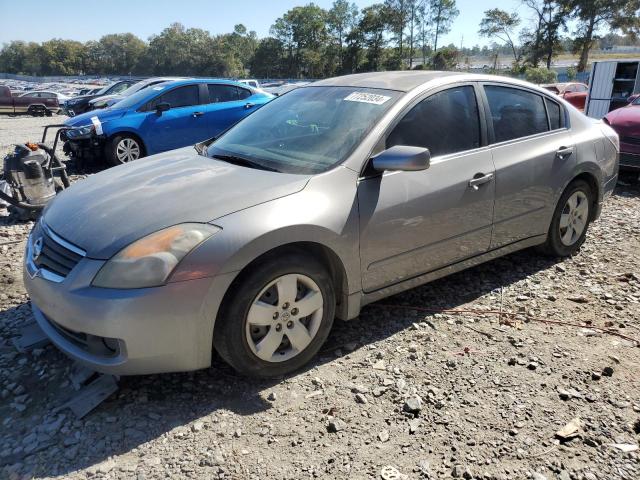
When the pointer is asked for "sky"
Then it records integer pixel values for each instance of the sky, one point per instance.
(39, 20)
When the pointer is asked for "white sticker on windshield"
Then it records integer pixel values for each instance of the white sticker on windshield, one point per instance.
(365, 97)
(158, 88)
(96, 123)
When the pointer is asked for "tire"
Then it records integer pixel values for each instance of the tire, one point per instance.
(238, 340)
(118, 146)
(569, 225)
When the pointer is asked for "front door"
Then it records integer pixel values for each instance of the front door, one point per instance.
(415, 222)
(534, 156)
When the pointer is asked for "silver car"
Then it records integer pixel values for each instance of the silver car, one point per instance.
(334, 195)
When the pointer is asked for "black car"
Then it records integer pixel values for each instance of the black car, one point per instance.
(78, 105)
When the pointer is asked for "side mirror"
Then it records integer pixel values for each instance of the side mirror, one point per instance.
(402, 158)
(162, 107)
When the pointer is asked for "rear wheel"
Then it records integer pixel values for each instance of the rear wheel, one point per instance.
(278, 317)
(123, 149)
(570, 221)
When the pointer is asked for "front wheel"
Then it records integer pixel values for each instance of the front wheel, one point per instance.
(279, 316)
(570, 221)
(123, 149)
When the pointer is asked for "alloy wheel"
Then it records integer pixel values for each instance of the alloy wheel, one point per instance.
(127, 150)
(284, 318)
(574, 217)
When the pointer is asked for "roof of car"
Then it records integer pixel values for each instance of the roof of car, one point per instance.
(191, 81)
(403, 81)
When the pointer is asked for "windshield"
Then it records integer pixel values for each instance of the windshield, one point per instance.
(139, 96)
(103, 90)
(308, 130)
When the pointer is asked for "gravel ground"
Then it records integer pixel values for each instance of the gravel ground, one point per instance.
(398, 393)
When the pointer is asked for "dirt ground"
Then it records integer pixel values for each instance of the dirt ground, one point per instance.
(401, 392)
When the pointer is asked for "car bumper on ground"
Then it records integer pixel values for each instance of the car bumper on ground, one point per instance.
(125, 331)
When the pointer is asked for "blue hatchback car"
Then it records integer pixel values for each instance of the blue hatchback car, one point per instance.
(162, 117)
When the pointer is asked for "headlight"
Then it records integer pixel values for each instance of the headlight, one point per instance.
(148, 262)
(80, 132)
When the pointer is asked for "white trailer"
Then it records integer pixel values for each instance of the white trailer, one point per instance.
(610, 84)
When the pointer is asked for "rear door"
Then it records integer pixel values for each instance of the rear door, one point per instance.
(534, 155)
(226, 105)
(183, 124)
(415, 222)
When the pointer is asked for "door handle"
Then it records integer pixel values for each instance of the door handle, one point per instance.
(249, 105)
(480, 179)
(563, 152)
(197, 114)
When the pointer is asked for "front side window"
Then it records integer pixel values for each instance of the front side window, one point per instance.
(515, 113)
(446, 122)
(308, 130)
(178, 97)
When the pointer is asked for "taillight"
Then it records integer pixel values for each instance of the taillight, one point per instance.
(611, 135)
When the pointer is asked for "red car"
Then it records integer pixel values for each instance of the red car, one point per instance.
(573, 92)
(626, 122)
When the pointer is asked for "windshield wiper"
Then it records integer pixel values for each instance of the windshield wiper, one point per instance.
(244, 162)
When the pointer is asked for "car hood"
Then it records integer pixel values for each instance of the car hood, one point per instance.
(107, 211)
(103, 115)
(103, 99)
(625, 119)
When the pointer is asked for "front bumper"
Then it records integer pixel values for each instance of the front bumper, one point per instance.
(89, 147)
(126, 332)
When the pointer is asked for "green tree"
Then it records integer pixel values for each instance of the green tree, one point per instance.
(543, 41)
(446, 58)
(342, 18)
(372, 26)
(592, 15)
(303, 32)
(499, 24)
(269, 60)
(61, 57)
(442, 15)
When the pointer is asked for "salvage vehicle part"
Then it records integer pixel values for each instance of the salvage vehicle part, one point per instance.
(330, 197)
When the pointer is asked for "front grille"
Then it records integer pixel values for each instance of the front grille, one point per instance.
(630, 140)
(56, 257)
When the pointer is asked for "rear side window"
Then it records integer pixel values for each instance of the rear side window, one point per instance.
(515, 113)
(222, 93)
(446, 122)
(178, 97)
(553, 109)
(243, 93)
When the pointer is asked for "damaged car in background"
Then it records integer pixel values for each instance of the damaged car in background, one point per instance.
(80, 104)
(161, 117)
(110, 100)
(328, 198)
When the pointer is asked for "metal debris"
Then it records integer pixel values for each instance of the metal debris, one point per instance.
(91, 395)
(31, 337)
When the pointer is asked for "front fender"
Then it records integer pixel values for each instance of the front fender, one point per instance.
(325, 213)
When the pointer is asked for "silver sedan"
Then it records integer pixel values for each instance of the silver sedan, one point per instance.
(332, 196)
